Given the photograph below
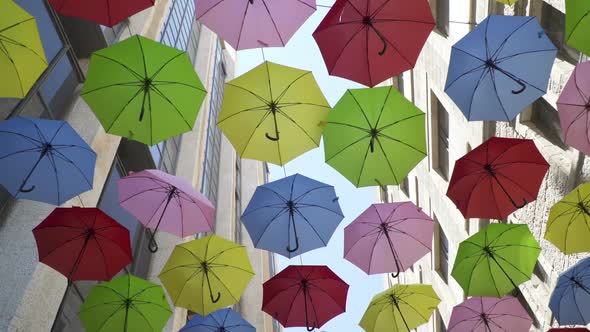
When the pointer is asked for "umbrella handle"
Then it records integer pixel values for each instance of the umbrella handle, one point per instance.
(521, 90)
(524, 202)
(215, 300)
(296, 245)
(28, 190)
(310, 328)
(152, 244)
(272, 138)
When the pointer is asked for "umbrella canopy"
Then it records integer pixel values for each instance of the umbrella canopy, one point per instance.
(570, 300)
(304, 295)
(569, 329)
(493, 74)
(497, 178)
(127, 303)
(400, 308)
(495, 260)
(207, 274)
(369, 42)
(225, 320)
(104, 12)
(292, 215)
(272, 113)
(388, 238)
(508, 2)
(83, 244)
(375, 136)
(161, 201)
(22, 58)
(490, 314)
(44, 160)
(577, 25)
(143, 90)
(573, 106)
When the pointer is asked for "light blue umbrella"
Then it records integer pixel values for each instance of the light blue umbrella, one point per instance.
(292, 215)
(500, 67)
(570, 301)
(223, 320)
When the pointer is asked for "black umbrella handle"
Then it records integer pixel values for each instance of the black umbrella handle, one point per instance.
(213, 299)
(152, 244)
(395, 258)
(274, 116)
(522, 88)
(272, 138)
(402, 316)
(524, 200)
(313, 327)
(289, 249)
(22, 189)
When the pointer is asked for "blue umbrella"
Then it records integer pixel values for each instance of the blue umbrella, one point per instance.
(500, 68)
(44, 160)
(570, 301)
(292, 215)
(223, 320)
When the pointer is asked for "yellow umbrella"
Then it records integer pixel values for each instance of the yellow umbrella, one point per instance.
(508, 2)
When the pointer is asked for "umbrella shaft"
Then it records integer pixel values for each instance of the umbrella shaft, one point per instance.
(401, 315)
(395, 258)
(22, 187)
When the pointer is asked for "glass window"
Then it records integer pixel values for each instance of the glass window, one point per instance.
(442, 257)
(405, 187)
(553, 22)
(441, 9)
(546, 120)
(442, 121)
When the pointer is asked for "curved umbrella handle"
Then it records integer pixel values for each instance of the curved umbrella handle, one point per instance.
(524, 202)
(152, 244)
(522, 88)
(215, 300)
(310, 328)
(296, 245)
(28, 190)
(384, 46)
(272, 138)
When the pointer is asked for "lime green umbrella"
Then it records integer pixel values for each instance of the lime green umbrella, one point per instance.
(495, 260)
(22, 58)
(577, 25)
(273, 113)
(126, 303)
(143, 90)
(400, 308)
(375, 136)
(207, 274)
(508, 2)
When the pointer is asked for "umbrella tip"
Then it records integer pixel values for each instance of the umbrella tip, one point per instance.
(322, 124)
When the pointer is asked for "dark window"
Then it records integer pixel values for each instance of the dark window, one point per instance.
(405, 187)
(528, 308)
(546, 120)
(442, 124)
(553, 22)
(417, 191)
(442, 260)
(238, 201)
(441, 327)
(442, 16)
(540, 272)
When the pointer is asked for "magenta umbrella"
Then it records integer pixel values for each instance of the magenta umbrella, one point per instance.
(573, 106)
(165, 202)
(490, 314)
(388, 238)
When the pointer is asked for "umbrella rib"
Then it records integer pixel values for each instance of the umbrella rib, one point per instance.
(400, 121)
(501, 46)
(137, 194)
(25, 137)
(312, 308)
(413, 237)
(350, 125)
(17, 43)
(5, 51)
(214, 257)
(64, 146)
(282, 94)
(470, 71)
(355, 9)
(384, 102)
(159, 93)
(274, 192)
(285, 115)
(110, 303)
(344, 47)
(364, 236)
(110, 240)
(124, 84)
(283, 105)
(232, 266)
(513, 266)
(360, 108)
(483, 75)
(578, 117)
(372, 250)
(66, 159)
(223, 284)
(57, 188)
(262, 119)
(142, 316)
(153, 77)
(110, 317)
(328, 294)
(257, 108)
(123, 109)
(399, 141)
(281, 206)
(17, 24)
(35, 149)
(346, 147)
(492, 276)
(292, 302)
(300, 206)
(358, 180)
(567, 39)
(302, 196)
(39, 132)
(104, 261)
(133, 72)
(392, 45)
(241, 25)
(516, 183)
(508, 57)
(493, 77)
(310, 225)
(387, 157)
(389, 20)
(369, 63)
(477, 262)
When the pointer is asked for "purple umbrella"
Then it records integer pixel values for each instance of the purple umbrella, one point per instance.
(165, 202)
(490, 314)
(573, 106)
(388, 238)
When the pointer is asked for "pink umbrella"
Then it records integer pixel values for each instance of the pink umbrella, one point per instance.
(254, 23)
(573, 106)
(490, 314)
(388, 238)
(162, 201)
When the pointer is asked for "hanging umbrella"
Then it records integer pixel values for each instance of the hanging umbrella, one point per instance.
(127, 303)
(375, 136)
(44, 160)
(400, 308)
(495, 260)
(206, 274)
(304, 295)
(490, 314)
(104, 12)
(161, 201)
(577, 25)
(497, 178)
(573, 106)
(493, 74)
(225, 320)
(22, 58)
(569, 329)
(371, 42)
(570, 300)
(388, 237)
(143, 90)
(508, 2)
(292, 215)
(272, 113)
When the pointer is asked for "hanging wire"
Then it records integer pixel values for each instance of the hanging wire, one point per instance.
(263, 57)
(467, 23)
(301, 259)
(284, 171)
(323, 6)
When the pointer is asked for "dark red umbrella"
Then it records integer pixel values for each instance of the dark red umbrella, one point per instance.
(304, 295)
(497, 178)
(569, 329)
(371, 41)
(105, 12)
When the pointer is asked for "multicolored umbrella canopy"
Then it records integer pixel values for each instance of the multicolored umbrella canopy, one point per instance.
(304, 295)
(577, 25)
(225, 320)
(573, 106)
(570, 300)
(127, 303)
(400, 308)
(143, 90)
(272, 113)
(493, 74)
(369, 42)
(388, 238)
(292, 215)
(495, 260)
(207, 274)
(44, 160)
(105, 12)
(490, 314)
(375, 136)
(497, 178)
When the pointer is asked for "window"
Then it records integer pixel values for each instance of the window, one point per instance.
(417, 190)
(181, 29)
(238, 201)
(540, 272)
(165, 154)
(440, 323)
(442, 141)
(442, 257)
(441, 10)
(528, 308)
(546, 119)
(405, 187)
(553, 22)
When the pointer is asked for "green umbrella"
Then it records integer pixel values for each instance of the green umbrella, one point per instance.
(375, 136)
(577, 25)
(143, 90)
(126, 303)
(495, 260)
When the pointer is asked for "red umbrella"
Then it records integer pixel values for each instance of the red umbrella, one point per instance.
(371, 41)
(304, 295)
(105, 12)
(497, 178)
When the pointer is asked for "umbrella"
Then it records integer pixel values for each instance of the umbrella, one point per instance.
(508, 2)
(292, 215)
(570, 300)
(143, 90)
(304, 295)
(375, 136)
(493, 74)
(495, 260)
(490, 314)
(44, 160)
(497, 178)
(104, 12)
(166, 202)
(370, 42)
(22, 58)
(577, 25)
(569, 329)
(220, 264)
(272, 112)
(388, 237)
(225, 320)
(254, 23)
(127, 303)
(400, 308)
